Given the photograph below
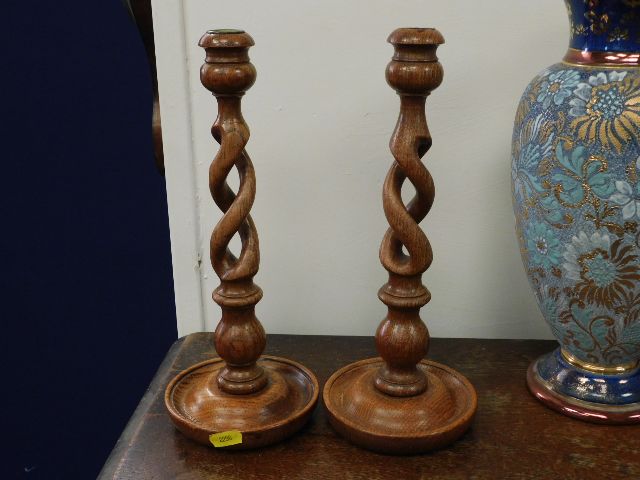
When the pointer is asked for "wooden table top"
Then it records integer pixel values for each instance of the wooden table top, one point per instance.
(513, 435)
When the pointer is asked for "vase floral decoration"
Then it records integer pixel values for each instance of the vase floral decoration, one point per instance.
(576, 196)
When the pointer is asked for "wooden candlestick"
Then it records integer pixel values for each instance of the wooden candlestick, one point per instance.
(267, 399)
(401, 403)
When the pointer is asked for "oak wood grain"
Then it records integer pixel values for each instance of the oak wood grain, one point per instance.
(267, 399)
(401, 403)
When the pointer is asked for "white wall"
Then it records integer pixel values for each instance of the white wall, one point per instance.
(321, 116)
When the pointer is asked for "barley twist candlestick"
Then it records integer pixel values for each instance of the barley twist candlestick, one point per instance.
(239, 337)
(267, 399)
(402, 403)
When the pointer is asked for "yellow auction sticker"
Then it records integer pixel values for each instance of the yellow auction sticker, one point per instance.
(226, 439)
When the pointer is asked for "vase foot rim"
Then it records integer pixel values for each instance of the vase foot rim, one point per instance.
(625, 369)
(577, 408)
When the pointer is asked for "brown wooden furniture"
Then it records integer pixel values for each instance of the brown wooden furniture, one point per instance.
(401, 403)
(512, 436)
(265, 400)
(140, 11)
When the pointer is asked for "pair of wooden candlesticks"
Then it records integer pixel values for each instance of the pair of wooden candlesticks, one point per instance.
(399, 403)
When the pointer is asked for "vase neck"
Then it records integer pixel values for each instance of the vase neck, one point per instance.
(604, 32)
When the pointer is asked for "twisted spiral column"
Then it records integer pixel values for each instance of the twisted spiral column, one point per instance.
(402, 338)
(239, 337)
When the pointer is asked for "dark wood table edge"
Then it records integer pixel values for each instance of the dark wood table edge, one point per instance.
(168, 368)
(113, 461)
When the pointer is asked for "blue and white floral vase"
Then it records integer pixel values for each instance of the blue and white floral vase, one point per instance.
(576, 196)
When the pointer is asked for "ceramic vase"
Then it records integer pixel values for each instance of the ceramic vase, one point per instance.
(576, 196)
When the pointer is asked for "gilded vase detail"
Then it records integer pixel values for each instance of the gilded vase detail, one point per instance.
(576, 194)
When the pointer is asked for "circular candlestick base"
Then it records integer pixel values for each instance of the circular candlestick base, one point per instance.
(199, 408)
(399, 425)
(589, 396)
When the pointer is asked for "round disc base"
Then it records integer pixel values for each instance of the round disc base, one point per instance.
(199, 408)
(399, 425)
(562, 378)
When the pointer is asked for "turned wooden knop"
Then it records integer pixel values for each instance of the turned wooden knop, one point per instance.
(239, 337)
(402, 338)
